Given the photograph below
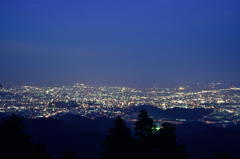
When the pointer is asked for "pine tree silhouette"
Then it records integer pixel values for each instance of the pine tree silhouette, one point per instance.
(40, 152)
(166, 144)
(119, 143)
(148, 143)
(14, 143)
(144, 126)
(146, 138)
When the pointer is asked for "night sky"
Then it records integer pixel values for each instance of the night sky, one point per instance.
(120, 41)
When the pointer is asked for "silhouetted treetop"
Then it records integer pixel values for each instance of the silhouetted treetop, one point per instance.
(166, 144)
(119, 142)
(149, 143)
(145, 125)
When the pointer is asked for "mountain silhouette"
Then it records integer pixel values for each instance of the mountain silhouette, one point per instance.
(202, 140)
(66, 117)
(235, 127)
(192, 128)
(175, 113)
(3, 115)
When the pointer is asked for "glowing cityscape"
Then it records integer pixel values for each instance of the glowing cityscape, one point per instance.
(93, 101)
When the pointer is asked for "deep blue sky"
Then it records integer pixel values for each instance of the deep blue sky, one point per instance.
(125, 41)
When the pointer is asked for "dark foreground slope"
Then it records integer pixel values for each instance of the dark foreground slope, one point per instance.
(82, 135)
(202, 140)
(85, 137)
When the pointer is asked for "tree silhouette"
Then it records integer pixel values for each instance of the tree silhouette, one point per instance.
(223, 155)
(149, 143)
(153, 143)
(144, 126)
(119, 143)
(14, 143)
(40, 152)
(166, 144)
(146, 138)
(69, 155)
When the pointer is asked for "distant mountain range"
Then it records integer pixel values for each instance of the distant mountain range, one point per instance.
(85, 136)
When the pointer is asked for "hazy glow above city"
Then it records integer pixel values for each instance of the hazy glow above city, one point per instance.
(119, 42)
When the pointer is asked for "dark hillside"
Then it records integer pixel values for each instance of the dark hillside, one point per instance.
(76, 135)
(200, 139)
(175, 113)
(3, 115)
(235, 127)
(83, 122)
(66, 117)
(49, 127)
(192, 128)
(205, 143)
(86, 145)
